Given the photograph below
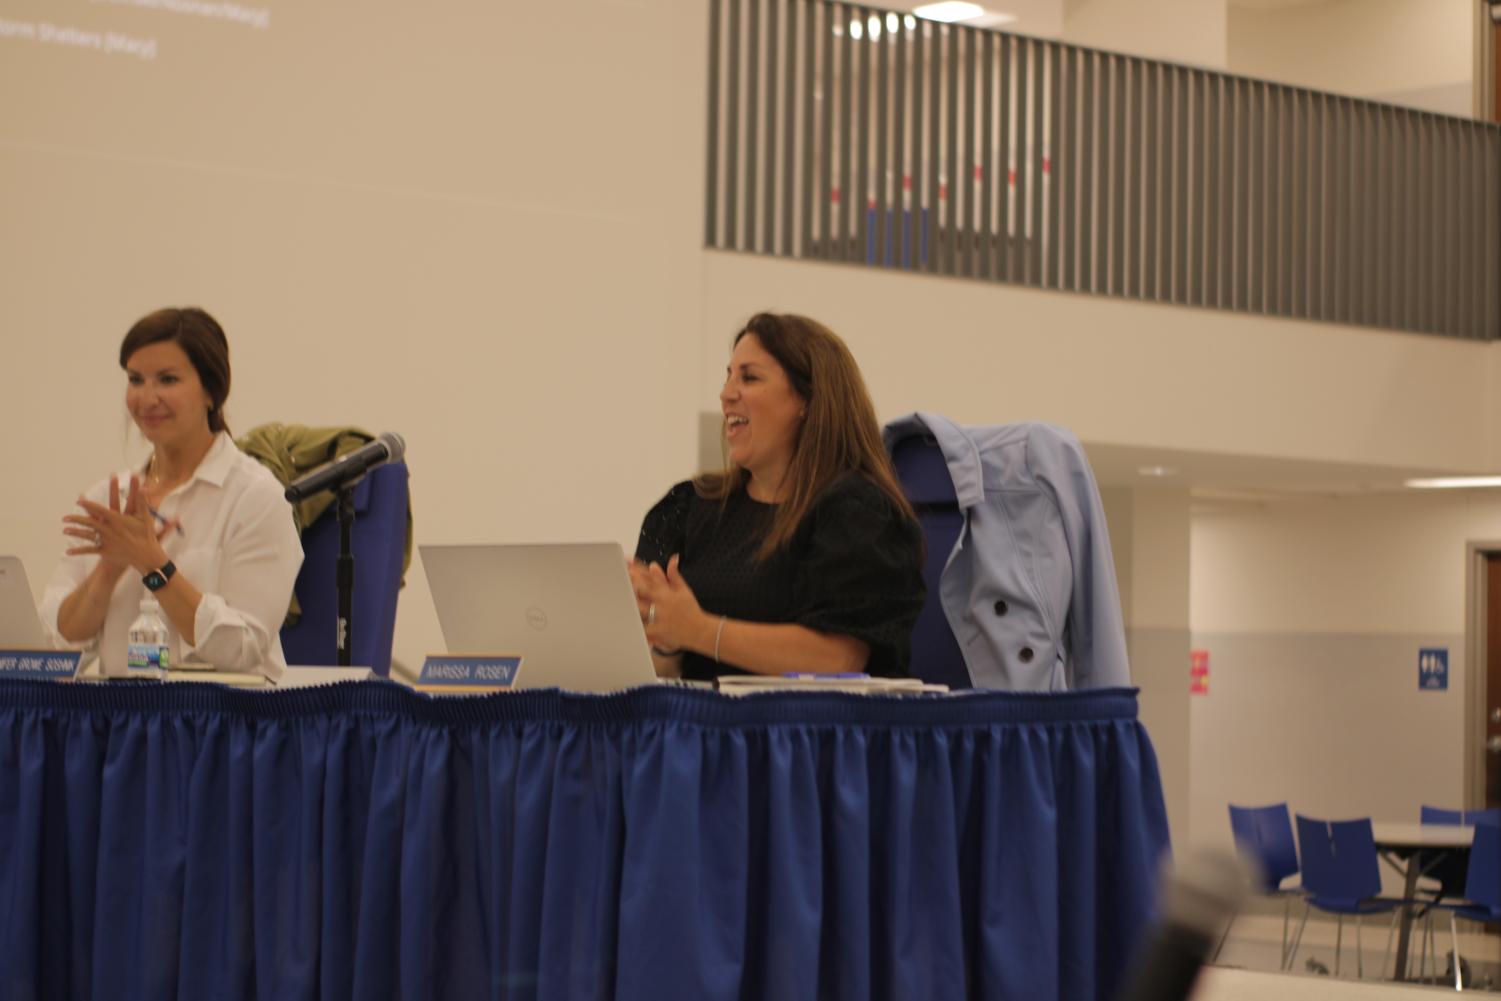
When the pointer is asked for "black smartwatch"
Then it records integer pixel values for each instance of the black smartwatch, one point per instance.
(157, 579)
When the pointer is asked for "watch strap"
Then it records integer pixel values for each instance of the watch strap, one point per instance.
(157, 579)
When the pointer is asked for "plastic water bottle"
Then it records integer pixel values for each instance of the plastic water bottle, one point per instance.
(147, 655)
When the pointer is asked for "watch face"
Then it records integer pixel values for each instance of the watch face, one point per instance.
(157, 579)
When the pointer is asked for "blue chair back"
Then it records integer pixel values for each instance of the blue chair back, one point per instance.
(1264, 834)
(379, 541)
(924, 475)
(1438, 815)
(1483, 882)
(1339, 860)
(1484, 818)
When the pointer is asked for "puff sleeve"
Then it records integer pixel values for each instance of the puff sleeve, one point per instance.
(859, 572)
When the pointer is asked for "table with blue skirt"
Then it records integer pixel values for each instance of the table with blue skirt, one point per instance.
(366, 841)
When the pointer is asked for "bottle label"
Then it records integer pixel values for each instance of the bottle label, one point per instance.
(148, 657)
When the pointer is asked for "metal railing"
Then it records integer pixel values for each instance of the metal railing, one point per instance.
(847, 133)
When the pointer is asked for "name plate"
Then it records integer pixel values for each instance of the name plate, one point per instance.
(40, 665)
(457, 675)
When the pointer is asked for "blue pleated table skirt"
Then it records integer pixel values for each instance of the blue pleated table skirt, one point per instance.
(365, 841)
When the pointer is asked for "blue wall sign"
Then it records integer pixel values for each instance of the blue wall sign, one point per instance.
(1433, 669)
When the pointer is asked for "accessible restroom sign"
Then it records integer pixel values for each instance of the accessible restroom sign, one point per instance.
(1433, 669)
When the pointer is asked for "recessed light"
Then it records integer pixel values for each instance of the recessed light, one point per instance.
(1156, 470)
(950, 10)
(1455, 482)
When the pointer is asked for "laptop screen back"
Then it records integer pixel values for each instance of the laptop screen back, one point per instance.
(566, 609)
(20, 629)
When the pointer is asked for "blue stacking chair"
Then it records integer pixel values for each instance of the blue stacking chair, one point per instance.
(1483, 818)
(1264, 836)
(1450, 870)
(1438, 815)
(1482, 889)
(936, 657)
(379, 545)
(1341, 875)
(1469, 818)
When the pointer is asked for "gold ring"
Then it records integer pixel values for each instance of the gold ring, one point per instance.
(651, 614)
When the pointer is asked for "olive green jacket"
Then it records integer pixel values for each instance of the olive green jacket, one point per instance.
(292, 450)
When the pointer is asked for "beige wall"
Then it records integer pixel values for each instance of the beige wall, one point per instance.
(479, 231)
(1125, 373)
(1180, 31)
(1149, 537)
(1385, 564)
(1313, 611)
(1413, 52)
(1490, 428)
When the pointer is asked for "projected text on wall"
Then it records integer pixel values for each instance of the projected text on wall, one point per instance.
(128, 40)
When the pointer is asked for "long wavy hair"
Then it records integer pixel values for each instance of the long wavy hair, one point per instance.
(838, 436)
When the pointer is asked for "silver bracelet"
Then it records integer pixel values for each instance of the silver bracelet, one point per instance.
(719, 635)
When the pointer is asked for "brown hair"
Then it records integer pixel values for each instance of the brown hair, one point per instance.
(201, 339)
(838, 436)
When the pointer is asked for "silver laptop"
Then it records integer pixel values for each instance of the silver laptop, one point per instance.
(20, 629)
(567, 610)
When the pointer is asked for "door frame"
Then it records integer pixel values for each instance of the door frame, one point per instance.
(1476, 653)
(1485, 62)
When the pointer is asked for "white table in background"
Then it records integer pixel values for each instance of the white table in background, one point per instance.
(1413, 850)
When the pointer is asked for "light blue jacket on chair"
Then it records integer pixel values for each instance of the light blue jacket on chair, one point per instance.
(1029, 588)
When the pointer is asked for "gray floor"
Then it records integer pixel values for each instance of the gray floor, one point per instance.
(1255, 943)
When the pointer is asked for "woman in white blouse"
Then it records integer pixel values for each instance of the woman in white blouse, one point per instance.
(202, 525)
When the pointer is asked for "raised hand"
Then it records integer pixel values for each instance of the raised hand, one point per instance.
(120, 535)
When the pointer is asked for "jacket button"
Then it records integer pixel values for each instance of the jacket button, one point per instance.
(1026, 655)
(1000, 608)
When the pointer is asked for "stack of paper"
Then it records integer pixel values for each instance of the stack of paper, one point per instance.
(236, 679)
(748, 684)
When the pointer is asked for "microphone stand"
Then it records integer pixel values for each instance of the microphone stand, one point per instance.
(344, 628)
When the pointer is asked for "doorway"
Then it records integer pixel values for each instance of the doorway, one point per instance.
(1490, 695)
(1483, 676)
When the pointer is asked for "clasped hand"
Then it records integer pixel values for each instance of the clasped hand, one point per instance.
(121, 536)
(669, 610)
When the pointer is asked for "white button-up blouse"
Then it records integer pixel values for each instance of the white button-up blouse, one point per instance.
(238, 546)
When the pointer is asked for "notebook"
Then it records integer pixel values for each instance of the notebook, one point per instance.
(20, 629)
(566, 609)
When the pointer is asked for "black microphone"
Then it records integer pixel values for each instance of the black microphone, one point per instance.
(350, 466)
(1199, 896)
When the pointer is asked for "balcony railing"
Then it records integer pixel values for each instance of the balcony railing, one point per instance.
(847, 133)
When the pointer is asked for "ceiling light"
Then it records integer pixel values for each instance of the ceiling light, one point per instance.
(1455, 482)
(856, 30)
(875, 26)
(950, 10)
(1157, 471)
(893, 23)
(909, 21)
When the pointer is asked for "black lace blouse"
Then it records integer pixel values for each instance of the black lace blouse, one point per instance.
(854, 567)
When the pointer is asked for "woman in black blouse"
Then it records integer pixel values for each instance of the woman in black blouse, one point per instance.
(803, 555)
